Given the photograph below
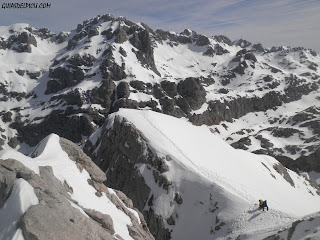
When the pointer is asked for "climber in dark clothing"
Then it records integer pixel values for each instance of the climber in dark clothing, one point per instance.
(263, 204)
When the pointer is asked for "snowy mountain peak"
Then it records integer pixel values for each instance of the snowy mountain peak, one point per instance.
(65, 193)
(187, 173)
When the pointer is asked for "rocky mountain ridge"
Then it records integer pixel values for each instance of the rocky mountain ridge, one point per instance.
(177, 173)
(107, 63)
(43, 203)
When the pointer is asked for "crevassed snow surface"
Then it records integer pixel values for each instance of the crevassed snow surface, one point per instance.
(50, 153)
(202, 164)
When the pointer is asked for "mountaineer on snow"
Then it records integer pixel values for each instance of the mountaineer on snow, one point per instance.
(263, 204)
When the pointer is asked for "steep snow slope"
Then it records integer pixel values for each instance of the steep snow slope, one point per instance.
(218, 184)
(306, 228)
(86, 193)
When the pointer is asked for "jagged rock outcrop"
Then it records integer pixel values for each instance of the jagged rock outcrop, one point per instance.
(72, 128)
(104, 94)
(20, 42)
(123, 90)
(223, 39)
(82, 160)
(55, 216)
(193, 92)
(142, 41)
(123, 147)
(121, 36)
(236, 108)
(242, 43)
(66, 78)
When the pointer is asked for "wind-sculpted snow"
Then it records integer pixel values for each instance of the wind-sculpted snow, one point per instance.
(216, 184)
(58, 193)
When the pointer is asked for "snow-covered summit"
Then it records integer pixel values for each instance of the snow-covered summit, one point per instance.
(194, 176)
(58, 193)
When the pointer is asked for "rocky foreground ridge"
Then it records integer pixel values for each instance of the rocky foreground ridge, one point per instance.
(55, 213)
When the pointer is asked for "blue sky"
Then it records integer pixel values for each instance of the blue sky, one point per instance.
(271, 22)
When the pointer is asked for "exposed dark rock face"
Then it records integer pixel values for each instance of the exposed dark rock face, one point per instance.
(209, 52)
(20, 72)
(142, 41)
(218, 111)
(242, 43)
(93, 32)
(170, 88)
(104, 94)
(138, 85)
(223, 39)
(284, 132)
(240, 106)
(72, 128)
(306, 115)
(7, 117)
(71, 98)
(43, 33)
(183, 38)
(123, 90)
(264, 143)
(220, 50)
(13, 142)
(61, 37)
(258, 47)
(202, 40)
(125, 103)
(108, 34)
(303, 163)
(193, 92)
(84, 60)
(297, 88)
(66, 78)
(217, 50)
(33, 75)
(240, 58)
(169, 107)
(121, 36)
(242, 143)
(178, 198)
(111, 70)
(123, 147)
(20, 42)
(284, 172)
(122, 52)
